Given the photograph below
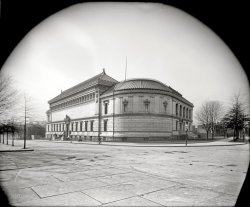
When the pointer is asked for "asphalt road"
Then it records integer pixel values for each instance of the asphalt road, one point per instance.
(94, 175)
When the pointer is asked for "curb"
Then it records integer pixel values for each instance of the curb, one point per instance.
(17, 150)
(170, 145)
(223, 145)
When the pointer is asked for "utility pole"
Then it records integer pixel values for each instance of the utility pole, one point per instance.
(99, 116)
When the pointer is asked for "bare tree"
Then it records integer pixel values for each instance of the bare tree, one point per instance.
(28, 114)
(209, 114)
(7, 95)
(216, 112)
(202, 115)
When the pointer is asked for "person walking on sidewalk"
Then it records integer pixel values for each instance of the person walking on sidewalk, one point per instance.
(99, 140)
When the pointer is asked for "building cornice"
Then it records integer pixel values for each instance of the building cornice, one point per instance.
(125, 115)
(146, 91)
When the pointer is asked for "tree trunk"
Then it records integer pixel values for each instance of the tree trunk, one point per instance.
(207, 135)
(7, 137)
(237, 134)
(234, 135)
(13, 138)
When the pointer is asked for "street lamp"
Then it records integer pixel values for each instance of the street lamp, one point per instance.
(186, 129)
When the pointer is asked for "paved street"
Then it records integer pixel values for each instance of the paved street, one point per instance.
(57, 173)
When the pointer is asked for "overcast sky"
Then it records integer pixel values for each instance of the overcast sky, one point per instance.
(160, 42)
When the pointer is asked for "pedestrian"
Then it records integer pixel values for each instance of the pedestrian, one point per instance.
(100, 140)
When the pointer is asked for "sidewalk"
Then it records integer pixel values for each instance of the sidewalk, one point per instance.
(223, 142)
(10, 148)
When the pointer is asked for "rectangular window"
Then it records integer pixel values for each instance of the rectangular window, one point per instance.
(180, 110)
(180, 127)
(176, 126)
(176, 109)
(165, 108)
(72, 125)
(59, 127)
(81, 126)
(106, 108)
(184, 112)
(91, 126)
(86, 125)
(125, 107)
(76, 123)
(105, 123)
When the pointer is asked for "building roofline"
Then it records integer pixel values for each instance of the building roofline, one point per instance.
(77, 88)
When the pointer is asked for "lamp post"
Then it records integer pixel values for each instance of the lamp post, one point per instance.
(186, 129)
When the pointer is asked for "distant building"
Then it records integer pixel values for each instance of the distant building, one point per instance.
(131, 110)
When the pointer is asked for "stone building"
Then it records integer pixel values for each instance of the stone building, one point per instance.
(131, 110)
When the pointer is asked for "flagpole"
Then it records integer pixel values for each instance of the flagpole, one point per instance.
(126, 69)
